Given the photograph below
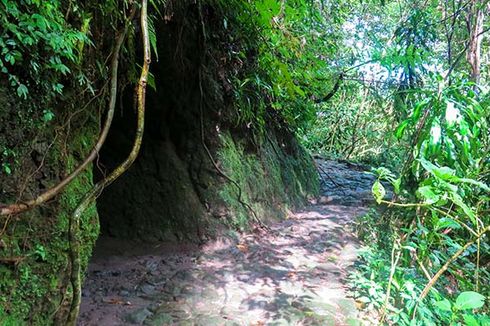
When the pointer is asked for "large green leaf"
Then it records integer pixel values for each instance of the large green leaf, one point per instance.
(470, 320)
(428, 195)
(445, 222)
(444, 172)
(443, 305)
(401, 128)
(458, 200)
(469, 300)
(475, 183)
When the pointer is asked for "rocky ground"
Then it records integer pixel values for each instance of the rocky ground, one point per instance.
(292, 275)
(347, 183)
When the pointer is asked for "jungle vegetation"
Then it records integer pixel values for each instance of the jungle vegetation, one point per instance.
(401, 85)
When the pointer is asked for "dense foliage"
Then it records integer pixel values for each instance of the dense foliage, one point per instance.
(402, 85)
(35, 34)
(420, 77)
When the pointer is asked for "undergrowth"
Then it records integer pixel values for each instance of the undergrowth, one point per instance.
(389, 277)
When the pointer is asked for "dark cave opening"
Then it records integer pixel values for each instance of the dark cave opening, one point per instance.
(159, 197)
(156, 198)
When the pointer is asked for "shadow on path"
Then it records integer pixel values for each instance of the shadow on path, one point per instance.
(290, 276)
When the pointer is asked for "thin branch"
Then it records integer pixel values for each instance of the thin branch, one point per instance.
(418, 205)
(333, 91)
(394, 263)
(422, 267)
(391, 203)
(461, 54)
(444, 268)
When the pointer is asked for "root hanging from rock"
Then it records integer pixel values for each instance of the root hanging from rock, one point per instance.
(90, 197)
(203, 142)
(18, 208)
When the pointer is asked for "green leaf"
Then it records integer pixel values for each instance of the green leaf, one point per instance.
(396, 184)
(47, 115)
(470, 320)
(151, 81)
(401, 128)
(458, 200)
(152, 35)
(475, 183)
(383, 173)
(469, 300)
(379, 191)
(444, 172)
(22, 91)
(445, 223)
(429, 196)
(6, 168)
(443, 305)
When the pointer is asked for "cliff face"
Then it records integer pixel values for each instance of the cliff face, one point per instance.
(201, 171)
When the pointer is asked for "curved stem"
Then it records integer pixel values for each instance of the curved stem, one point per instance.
(444, 268)
(394, 263)
(391, 203)
(97, 189)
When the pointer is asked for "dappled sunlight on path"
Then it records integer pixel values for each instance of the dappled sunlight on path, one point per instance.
(292, 275)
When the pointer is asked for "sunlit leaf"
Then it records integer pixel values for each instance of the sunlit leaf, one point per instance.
(379, 191)
(469, 300)
(470, 320)
(401, 129)
(427, 193)
(466, 209)
(444, 305)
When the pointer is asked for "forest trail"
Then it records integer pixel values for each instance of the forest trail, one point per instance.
(293, 275)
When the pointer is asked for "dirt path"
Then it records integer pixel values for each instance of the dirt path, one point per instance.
(293, 275)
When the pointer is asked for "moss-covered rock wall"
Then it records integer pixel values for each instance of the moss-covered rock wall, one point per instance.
(34, 261)
(44, 136)
(173, 192)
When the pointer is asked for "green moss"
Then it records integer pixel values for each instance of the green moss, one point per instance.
(74, 192)
(31, 291)
(270, 181)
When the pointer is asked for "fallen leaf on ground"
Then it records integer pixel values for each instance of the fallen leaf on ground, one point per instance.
(242, 247)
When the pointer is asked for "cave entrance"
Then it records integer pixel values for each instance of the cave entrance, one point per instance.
(155, 199)
(158, 197)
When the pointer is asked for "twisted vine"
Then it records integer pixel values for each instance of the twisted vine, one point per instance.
(17, 208)
(74, 231)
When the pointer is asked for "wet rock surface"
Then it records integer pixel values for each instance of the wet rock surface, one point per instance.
(346, 183)
(291, 275)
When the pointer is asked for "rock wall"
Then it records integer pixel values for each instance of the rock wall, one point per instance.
(173, 192)
(347, 183)
(34, 260)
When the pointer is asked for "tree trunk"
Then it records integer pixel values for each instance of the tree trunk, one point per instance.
(475, 27)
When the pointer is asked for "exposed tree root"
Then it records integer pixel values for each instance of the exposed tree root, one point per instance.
(89, 198)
